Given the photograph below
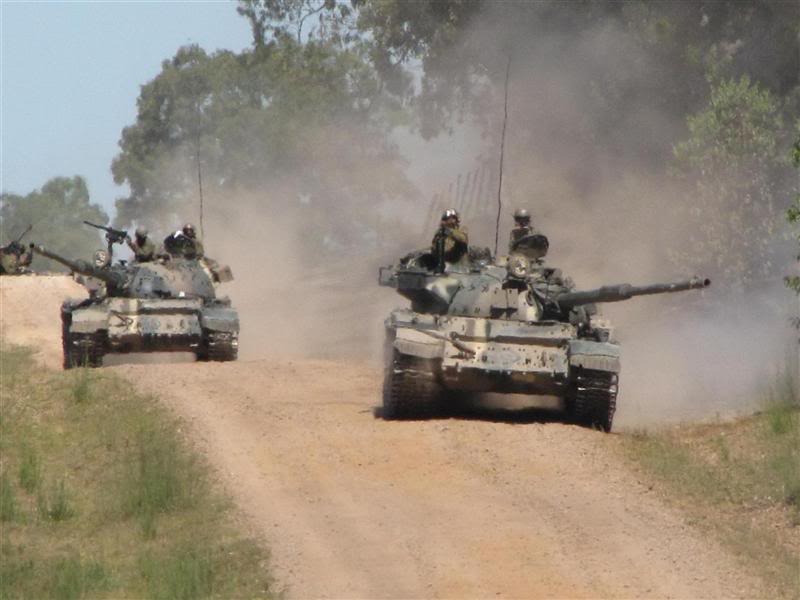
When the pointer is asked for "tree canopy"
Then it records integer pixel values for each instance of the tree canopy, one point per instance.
(57, 212)
(304, 122)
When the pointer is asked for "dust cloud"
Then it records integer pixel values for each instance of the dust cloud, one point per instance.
(610, 210)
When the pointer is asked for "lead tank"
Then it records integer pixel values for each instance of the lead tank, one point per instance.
(168, 305)
(513, 326)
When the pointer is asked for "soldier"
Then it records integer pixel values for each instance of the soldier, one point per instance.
(144, 250)
(522, 227)
(451, 242)
(184, 243)
(195, 246)
(14, 259)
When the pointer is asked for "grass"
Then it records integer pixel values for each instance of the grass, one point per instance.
(738, 480)
(100, 497)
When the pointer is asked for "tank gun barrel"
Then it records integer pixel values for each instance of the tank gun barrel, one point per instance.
(625, 291)
(83, 267)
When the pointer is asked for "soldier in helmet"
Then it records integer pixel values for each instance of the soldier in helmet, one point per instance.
(195, 246)
(451, 242)
(522, 227)
(144, 250)
(15, 258)
(184, 243)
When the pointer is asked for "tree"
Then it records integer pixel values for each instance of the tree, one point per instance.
(56, 212)
(305, 121)
(793, 217)
(734, 161)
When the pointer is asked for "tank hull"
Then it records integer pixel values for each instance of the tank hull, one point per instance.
(92, 329)
(461, 354)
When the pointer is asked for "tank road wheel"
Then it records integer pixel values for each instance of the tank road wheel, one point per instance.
(593, 399)
(84, 349)
(219, 346)
(410, 389)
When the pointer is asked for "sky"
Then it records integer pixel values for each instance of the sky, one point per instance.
(70, 74)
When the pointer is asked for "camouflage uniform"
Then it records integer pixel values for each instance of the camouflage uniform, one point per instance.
(456, 243)
(195, 249)
(517, 233)
(14, 258)
(144, 250)
(179, 244)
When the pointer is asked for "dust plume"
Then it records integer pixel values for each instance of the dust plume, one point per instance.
(613, 213)
(306, 263)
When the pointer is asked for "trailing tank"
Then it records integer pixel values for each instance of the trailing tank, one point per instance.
(167, 305)
(510, 326)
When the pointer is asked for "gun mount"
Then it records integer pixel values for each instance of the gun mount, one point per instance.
(513, 326)
(168, 305)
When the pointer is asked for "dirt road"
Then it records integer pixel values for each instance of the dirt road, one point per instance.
(355, 507)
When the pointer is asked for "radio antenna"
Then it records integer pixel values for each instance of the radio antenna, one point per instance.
(199, 181)
(502, 153)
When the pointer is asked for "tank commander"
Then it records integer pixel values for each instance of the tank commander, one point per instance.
(451, 242)
(144, 250)
(184, 243)
(522, 227)
(194, 249)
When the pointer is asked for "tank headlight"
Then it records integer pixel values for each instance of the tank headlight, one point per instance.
(517, 267)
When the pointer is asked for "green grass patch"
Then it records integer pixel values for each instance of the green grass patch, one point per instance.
(30, 470)
(101, 497)
(739, 480)
(8, 501)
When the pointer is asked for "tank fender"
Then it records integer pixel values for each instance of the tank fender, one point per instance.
(416, 343)
(598, 356)
(220, 318)
(89, 320)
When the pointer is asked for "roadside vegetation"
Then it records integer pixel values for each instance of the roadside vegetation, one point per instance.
(739, 481)
(100, 497)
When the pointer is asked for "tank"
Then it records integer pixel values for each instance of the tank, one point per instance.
(168, 305)
(512, 326)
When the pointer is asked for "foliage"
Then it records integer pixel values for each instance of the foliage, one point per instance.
(300, 123)
(793, 217)
(733, 159)
(458, 43)
(56, 212)
(276, 19)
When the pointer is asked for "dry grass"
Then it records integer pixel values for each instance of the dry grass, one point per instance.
(740, 480)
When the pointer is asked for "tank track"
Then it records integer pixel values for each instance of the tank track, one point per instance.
(220, 347)
(593, 399)
(410, 389)
(83, 349)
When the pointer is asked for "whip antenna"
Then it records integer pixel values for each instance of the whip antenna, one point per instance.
(502, 152)
(199, 181)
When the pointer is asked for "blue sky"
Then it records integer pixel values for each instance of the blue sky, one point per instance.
(71, 73)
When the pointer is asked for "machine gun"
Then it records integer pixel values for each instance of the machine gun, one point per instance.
(114, 236)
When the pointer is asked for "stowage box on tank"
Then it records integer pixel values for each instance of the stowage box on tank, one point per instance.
(514, 326)
(168, 305)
